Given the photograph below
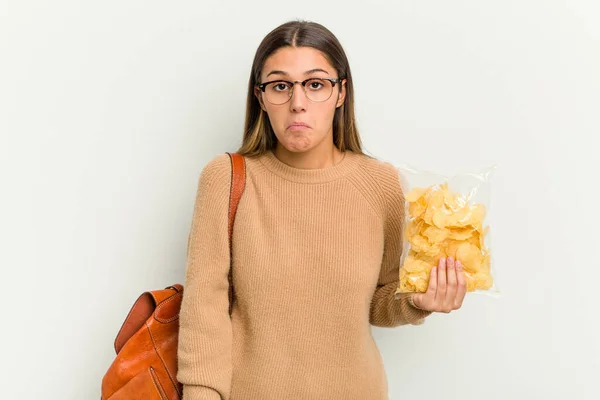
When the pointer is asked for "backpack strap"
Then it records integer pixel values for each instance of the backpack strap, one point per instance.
(238, 184)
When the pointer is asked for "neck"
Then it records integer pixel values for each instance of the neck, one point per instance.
(317, 158)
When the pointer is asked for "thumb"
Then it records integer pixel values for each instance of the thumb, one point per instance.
(416, 300)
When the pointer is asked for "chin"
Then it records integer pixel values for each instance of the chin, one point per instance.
(298, 147)
(298, 144)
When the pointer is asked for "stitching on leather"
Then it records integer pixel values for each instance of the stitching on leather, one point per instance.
(236, 189)
(161, 305)
(156, 384)
(173, 380)
(230, 196)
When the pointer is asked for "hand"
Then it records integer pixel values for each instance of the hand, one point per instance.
(446, 290)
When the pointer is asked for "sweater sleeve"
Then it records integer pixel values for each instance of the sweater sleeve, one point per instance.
(386, 310)
(205, 332)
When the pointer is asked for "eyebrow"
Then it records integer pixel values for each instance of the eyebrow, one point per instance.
(312, 71)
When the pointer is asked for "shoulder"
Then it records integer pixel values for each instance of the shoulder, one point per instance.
(216, 174)
(379, 183)
(220, 163)
(383, 176)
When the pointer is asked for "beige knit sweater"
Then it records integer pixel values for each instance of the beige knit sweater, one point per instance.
(316, 255)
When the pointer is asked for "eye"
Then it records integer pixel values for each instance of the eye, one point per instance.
(279, 86)
(315, 84)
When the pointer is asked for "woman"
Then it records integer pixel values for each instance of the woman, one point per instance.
(316, 245)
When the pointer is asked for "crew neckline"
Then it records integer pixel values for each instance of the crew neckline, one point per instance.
(317, 175)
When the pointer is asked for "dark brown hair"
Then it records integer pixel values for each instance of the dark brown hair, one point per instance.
(258, 133)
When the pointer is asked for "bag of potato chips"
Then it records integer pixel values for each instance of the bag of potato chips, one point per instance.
(446, 216)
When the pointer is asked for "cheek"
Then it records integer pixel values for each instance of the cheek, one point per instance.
(323, 117)
(277, 117)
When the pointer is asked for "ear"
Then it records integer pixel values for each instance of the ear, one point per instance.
(341, 94)
(258, 94)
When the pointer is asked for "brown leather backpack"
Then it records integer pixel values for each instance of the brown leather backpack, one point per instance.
(146, 345)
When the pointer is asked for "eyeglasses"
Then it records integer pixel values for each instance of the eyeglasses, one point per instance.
(316, 89)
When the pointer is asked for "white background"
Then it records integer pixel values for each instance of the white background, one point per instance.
(109, 110)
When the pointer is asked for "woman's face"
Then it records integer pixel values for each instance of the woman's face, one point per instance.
(297, 64)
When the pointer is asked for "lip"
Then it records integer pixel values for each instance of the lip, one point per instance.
(298, 125)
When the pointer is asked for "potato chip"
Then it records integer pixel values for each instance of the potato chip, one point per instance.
(459, 218)
(442, 223)
(435, 234)
(421, 285)
(413, 227)
(416, 209)
(436, 198)
(483, 281)
(470, 256)
(471, 282)
(415, 265)
(419, 243)
(451, 247)
(463, 234)
(453, 200)
(415, 195)
(473, 216)
(441, 218)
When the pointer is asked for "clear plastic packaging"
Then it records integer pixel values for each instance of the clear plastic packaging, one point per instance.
(447, 216)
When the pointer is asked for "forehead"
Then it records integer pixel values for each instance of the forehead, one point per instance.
(296, 61)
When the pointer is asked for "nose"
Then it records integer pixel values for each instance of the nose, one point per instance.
(298, 100)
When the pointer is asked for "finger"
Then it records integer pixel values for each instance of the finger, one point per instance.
(450, 285)
(461, 285)
(417, 298)
(433, 283)
(441, 282)
(425, 300)
(428, 298)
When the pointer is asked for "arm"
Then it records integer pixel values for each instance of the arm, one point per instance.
(205, 333)
(386, 310)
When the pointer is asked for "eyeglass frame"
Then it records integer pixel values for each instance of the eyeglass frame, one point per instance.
(262, 86)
